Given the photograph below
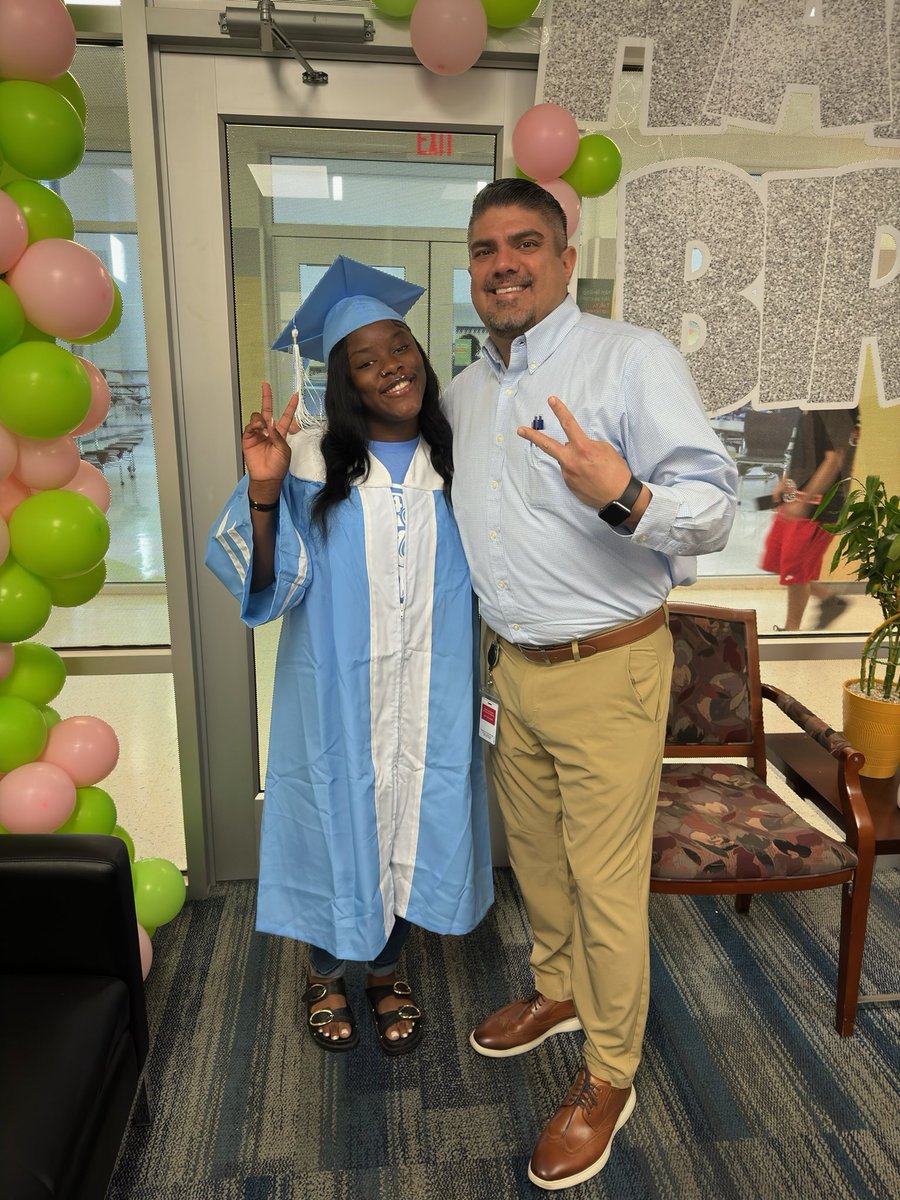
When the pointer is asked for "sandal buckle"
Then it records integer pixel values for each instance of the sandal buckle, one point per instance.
(314, 993)
(402, 988)
(322, 1016)
(408, 1012)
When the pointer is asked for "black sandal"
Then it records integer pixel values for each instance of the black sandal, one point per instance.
(324, 1016)
(406, 1011)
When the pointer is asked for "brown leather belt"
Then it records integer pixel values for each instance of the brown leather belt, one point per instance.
(608, 639)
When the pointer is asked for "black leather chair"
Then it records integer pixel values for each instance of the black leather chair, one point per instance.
(73, 1023)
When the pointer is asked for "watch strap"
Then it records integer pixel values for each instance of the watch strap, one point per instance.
(619, 510)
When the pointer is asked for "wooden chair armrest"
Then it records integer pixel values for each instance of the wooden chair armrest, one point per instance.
(858, 824)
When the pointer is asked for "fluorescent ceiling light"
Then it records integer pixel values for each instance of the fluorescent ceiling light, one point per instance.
(291, 182)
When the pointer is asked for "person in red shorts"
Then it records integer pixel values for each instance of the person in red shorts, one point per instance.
(822, 452)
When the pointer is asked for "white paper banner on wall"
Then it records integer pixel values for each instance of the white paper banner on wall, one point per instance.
(727, 62)
(774, 287)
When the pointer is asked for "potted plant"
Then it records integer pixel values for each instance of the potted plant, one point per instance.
(868, 528)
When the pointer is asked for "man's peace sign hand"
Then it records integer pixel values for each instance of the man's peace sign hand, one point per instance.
(593, 471)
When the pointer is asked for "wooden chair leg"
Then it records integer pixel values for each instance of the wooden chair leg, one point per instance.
(854, 916)
(742, 902)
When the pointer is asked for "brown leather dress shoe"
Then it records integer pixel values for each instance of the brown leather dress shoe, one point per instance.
(522, 1025)
(577, 1139)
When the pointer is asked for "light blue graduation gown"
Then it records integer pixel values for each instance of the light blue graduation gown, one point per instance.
(375, 799)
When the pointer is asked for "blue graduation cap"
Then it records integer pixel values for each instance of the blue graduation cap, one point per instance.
(348, 296)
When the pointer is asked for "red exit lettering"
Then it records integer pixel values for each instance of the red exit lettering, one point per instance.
(434, 145)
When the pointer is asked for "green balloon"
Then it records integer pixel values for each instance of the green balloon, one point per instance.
(58, 533)
(40, 132)
(596, 166)
(67, 85)
(126, 837)
(24, 602)
(51, 716)
(109, 326)
(23, 734)
(31, 333)
(504, 14)
(395, 8)
(45, 392)
(94, 812)
(46, 214)
(8, 172)
(70, 593)
(38, 674)
(12, 318)
(159, 891)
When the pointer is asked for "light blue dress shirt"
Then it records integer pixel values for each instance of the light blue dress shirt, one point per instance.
(545, 567)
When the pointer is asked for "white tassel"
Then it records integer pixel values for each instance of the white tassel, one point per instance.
(303, 417)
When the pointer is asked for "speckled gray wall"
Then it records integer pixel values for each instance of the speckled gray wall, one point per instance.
(852, 310)
(578, 60)
(812, 237)
(892, 130)
(665, 207)
(771, 46)
(723, 60)
(797, 214)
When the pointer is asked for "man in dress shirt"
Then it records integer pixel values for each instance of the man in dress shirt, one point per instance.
(587, 478)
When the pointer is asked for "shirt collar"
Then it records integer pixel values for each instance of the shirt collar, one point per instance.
(541, 340)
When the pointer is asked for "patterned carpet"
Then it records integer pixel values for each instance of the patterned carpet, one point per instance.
(745, 1090)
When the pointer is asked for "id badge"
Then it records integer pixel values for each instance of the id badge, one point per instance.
(490, 713)
(490, 702)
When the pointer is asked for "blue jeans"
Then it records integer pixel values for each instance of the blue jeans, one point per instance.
(326, 966)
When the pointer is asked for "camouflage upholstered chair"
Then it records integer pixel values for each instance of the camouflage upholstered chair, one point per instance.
(719, 828)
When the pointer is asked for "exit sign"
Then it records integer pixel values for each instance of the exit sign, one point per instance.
(434, 145)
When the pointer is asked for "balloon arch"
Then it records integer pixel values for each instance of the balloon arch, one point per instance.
(54, 533)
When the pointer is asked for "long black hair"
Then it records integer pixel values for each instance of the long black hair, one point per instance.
(345, 440)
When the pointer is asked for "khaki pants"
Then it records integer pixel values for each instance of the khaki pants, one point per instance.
(576, 768)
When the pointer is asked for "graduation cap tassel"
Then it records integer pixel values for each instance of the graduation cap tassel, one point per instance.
(304, 418)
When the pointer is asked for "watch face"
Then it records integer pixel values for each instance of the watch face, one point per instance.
(614, 513)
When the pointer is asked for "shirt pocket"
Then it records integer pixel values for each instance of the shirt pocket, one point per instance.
(543, 480)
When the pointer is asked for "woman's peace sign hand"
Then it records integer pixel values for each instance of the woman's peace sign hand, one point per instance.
(264, 447)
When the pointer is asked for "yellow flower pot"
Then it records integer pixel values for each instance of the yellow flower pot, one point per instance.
(873, 727)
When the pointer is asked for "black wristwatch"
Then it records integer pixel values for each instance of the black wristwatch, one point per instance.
(619, 510)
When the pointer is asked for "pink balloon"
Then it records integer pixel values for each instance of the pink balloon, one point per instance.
(7, 660)
(568, 200)
(47, 463)
(448, 36)
(146, 951)
(13, 232)
(12, 493)
(91, 483)
(86, 748)
(100, 399)
(4, 544)
(9, 452)
(36, 798)
(63, 287)
(37, 40)
(545, 141)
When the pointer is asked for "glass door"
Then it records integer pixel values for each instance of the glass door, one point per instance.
(300, 197)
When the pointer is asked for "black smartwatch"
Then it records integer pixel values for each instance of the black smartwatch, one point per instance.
(619, 510)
